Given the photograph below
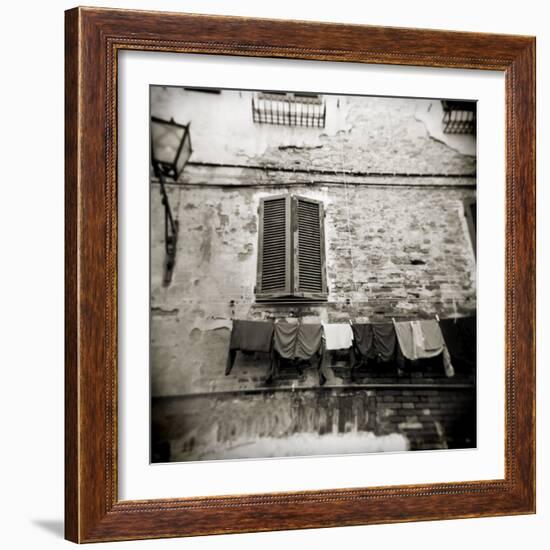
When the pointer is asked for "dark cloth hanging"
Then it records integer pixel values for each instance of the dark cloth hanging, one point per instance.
(375, 341)
(297, 340)
(461, 338)
(252, 336)
(249, 336)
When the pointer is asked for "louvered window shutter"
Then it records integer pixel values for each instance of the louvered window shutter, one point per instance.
(309, 277)
(274, 254)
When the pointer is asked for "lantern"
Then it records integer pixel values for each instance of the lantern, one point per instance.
(170, 147)
(170, 151)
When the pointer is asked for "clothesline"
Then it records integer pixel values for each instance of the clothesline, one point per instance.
(389, 341)
(360, 321)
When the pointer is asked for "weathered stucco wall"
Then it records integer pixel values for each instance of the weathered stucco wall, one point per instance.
(362, 134)
(391, 252)
(397, 245)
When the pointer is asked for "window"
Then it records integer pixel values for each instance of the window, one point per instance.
(291, 251)
(459, 117)
(289, 109)
(470, 211)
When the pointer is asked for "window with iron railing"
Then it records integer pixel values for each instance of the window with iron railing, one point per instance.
(289, 109)
(459, 117)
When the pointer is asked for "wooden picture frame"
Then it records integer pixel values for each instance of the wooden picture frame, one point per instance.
(93, 39)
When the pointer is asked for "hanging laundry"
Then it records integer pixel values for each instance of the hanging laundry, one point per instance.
(427, 336)
(422, 340)
(460, 337)
(447, 363)
(337, 336)
(297, 340)
(375, 341)
(249, 336)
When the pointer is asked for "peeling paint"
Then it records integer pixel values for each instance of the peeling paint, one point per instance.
(430, 117)
(298, 147)
(251, 225)
(224, 218)
(206, 243)
(195, 335)
(161, 312)
(248, 249)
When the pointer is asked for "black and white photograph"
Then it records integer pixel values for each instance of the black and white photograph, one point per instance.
(312, 274)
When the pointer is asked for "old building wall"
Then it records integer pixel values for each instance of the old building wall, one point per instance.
(391, 252)
(362, 134)
(275, 423)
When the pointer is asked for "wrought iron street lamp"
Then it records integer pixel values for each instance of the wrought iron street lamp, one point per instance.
(170, 151)
(171, 146)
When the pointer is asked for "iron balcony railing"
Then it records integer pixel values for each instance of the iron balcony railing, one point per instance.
(459, 117)
(289, 109)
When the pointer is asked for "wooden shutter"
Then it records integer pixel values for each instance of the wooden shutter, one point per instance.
(309, 249)
(274, 259)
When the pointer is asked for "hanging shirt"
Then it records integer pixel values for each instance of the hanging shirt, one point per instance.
(375, 340)
(252, 336)
(422, 340)
(337, 336)
(297, 340)
(427, 337)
